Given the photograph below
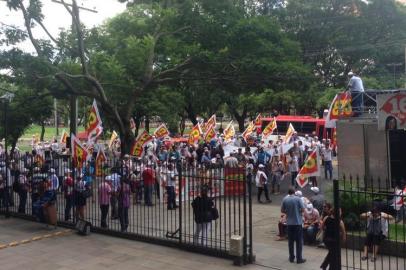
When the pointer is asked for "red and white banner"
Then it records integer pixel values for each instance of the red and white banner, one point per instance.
(138, 147)
(161, 132)
(93, 124)
(310, 168)
(391, 111)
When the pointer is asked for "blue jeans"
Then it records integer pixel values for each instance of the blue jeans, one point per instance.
(357, 102)
(328, 167)
(295, 234)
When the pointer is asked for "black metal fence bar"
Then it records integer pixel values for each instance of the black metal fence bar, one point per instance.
(135, 199)
(374, 214)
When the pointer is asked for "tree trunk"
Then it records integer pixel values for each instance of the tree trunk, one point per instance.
(191, 114)
(126, 137)
(147, 123)
(182, 124)
(137, 121)
(42, 131)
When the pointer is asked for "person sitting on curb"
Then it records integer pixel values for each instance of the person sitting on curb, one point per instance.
(282, 227)
(311, 223)
(377, 230)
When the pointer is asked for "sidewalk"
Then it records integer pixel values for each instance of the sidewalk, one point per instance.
(71, 251)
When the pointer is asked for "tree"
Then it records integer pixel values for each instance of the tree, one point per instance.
(25, 108)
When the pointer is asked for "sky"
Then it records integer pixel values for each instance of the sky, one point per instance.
(57, 17)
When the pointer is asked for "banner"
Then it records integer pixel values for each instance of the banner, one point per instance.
(289, 133)
(269, 129)
(210, 134)
(64, 137)
(161, 132)
(258, 121)
(340, 107)
(211, 122)
(229, 132)
(113, 137)
(391, 111)
(234, 183)
(138, 147)
(195, 134)
(94, 134)
(249, 130)
(79, 153)
(93, 121)
(100, 160)
(310, 168)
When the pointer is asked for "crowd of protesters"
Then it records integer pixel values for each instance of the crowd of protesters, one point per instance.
(46, 171)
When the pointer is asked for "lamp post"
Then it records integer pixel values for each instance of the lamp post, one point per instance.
(220, 115)
(7, 97)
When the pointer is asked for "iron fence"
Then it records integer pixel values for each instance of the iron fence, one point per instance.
(374, 216)
(137, 199)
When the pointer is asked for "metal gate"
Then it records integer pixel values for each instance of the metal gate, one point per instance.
(357, 197)
(119, 197)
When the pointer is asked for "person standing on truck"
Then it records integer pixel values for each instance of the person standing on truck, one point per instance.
(356, 89)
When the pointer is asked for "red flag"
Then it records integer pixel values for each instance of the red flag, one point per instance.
(93, 122)
(64, 137)
(340, 107)
(161, 131)
(248, 131)
(310, 168)
(211, 122)
(210, 134)
(195, 134)
(269, 129)
(258, 121)
(138, 147)
(100, 160)
(79, 153)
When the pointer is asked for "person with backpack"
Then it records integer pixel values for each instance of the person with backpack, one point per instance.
(377, 231)
(261, 181)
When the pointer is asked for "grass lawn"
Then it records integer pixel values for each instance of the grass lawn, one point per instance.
(50, 132)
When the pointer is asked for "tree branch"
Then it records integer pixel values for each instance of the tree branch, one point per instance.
(27, 22)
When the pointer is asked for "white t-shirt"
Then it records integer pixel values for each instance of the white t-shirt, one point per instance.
(327, 153)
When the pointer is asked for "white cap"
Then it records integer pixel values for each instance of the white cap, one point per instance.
(261, 166)
(309, 206)
(52, 170)
(350, 73)
(298, 193)
(108, 178)
(315, 189)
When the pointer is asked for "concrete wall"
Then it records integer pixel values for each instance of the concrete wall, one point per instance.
(362, 150)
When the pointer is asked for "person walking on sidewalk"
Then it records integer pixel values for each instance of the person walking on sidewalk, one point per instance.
(293, 207)
(261, 181)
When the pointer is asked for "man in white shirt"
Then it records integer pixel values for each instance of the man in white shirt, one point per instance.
(326, 153)
(356, 88)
